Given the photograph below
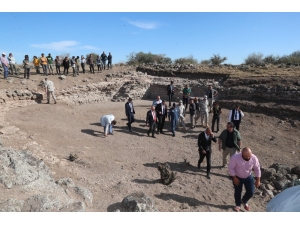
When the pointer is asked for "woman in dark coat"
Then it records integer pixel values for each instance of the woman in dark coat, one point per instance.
(66, 64)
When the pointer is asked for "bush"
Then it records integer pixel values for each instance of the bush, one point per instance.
(254, 58)
(217, 60)
(94, 55)
(141, 57)
(186, 60)
(205, 62)
(271, 59)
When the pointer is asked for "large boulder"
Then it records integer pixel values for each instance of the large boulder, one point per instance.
(296, 170)
(138, 202)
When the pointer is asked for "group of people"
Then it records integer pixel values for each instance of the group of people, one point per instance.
(47, 63)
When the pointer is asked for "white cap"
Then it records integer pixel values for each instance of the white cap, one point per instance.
(205, 96)
(3, 53)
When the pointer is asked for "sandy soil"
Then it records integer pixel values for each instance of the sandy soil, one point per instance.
(120, 164)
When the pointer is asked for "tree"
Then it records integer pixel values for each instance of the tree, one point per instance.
(216, 60)
(141, 57)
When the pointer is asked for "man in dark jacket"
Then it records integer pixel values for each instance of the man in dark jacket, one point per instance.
(90, 61)
(192, 108)
(129, 111)
(161, 112)
(103, 59)
(216, 116)
(151, 120)
(109, 61)
(235, 116)
(204, 143)
(170, 92)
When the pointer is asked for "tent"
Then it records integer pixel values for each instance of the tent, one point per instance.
(286, 201)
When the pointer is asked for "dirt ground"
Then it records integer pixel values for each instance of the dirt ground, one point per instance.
(116, 166)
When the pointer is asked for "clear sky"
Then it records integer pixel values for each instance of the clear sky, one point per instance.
(176, 34)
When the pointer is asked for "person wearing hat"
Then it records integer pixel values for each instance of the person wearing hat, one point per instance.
(181, 115)
(49, 90)
(173, 116)
(5, 64)
(129, 111)
(161, 112)
(203, 104)
(44, 62)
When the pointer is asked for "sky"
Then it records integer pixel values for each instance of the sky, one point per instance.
(176, 34)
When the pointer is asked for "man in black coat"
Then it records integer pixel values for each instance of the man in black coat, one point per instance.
(151, 120)
(129, 111)
(161, 112)
(170, 92)
(204, 143)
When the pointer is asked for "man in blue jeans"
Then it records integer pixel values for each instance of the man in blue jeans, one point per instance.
(107, 121)
(240, 168)
(4, 63)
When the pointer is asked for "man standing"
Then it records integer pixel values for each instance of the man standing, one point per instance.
(211, 93)
(50, 63)
(240, 168)
(192, 110)
(173, 115)
(203, 105)
(43, 61)
(161, 112)
(109, 61)
(49, 90)
(197, 112)
(82, 62)
(235, 116)
(157, 101)
(36, 63)
(151, 120)
(216, 116)
(103, 59)
(230, 142)
(129, 111)
(4, 63)
(12, 64)
(170, 92)
(186, 92)
(204, 143)
(77, 60)
(107, 121)
(181, 111)
(91, 63)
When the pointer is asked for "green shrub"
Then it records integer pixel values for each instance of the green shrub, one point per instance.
(205, 62)
(254, 58)
(217, 60)
(141, 57)
(271, 59)
(186, 60)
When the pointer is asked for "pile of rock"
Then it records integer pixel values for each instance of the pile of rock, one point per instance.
(278, 177)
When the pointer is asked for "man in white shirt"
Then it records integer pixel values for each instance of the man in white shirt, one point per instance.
(107, 121)
(235, 116)
(12, 64)
(156, 101)
(49, 90)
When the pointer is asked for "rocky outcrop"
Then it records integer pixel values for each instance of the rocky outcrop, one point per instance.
(22, 173)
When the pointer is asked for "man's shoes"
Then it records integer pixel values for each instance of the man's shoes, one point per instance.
(162, 132)
(148, 133)
(237, 208)
(48, 103)
(153, 136)
(173, 134)
(217, 131)
(208, 177)
(199, 165)
(55, 102)
(246, 206)
(127, 124)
